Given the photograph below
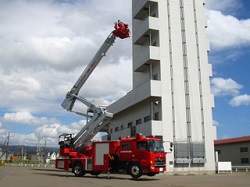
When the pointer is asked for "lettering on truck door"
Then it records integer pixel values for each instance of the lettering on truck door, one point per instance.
(126, 151)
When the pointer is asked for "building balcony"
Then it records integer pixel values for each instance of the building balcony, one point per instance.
(143, 30)
(141, 8)
(151, 88)
(145, 55)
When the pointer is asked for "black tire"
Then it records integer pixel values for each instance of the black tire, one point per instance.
(135, 170)
(78, 170)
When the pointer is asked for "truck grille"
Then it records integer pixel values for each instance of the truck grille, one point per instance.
(159, 161)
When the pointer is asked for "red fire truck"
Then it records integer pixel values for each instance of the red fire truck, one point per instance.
(134, 155)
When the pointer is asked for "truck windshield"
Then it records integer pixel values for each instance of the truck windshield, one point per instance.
(156, 146)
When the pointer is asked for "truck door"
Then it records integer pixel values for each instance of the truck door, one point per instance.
(126, 151)
(142, 150)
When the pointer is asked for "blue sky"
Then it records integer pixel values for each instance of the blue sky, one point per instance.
(230, 58)
(45, 45)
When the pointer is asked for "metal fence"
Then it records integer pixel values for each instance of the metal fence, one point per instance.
(241, 168)
(30, 165)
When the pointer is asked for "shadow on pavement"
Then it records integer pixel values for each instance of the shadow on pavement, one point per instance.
(62, 173)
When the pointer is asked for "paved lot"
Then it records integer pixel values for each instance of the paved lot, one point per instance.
(43, 177)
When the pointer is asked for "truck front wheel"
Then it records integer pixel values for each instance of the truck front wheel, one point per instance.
(78, 170)
(135, 170)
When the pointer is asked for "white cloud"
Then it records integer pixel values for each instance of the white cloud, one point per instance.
(225, 87)
(226, 31)
(113, 81)
(228, 35)
(240, 100)
(228, 87)
(28, 84)
(3, 132)
(26, 118)
(47, 130)
(45, 46)
(55, 34)
(216, 123)
(226, 6)
(51, 132)
(18, 89)
(226, 136)
(19, 117)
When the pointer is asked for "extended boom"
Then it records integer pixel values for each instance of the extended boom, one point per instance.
(100, 116)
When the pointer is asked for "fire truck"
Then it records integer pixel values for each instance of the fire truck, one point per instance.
(136, 156)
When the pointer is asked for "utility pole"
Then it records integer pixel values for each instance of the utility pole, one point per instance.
(40, 151)
(7, 146)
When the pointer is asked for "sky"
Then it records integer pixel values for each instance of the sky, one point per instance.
(45, 46)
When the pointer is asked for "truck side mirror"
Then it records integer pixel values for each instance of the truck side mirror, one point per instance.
(171, 144)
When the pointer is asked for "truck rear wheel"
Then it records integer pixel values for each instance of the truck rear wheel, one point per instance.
(135, 170)
(78, 170)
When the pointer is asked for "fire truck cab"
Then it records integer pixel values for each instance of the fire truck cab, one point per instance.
(142, 155)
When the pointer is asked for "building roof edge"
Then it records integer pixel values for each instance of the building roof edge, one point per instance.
(232, 140)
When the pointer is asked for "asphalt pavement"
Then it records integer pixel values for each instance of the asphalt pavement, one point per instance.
(50, 177)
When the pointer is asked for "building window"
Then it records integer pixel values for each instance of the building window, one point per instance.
(133, 131)
(122, 127)
(138, 122)
(244, 149)
(111, 131)
(116, 129)
(146, 119)
(130, 124)
(244, 160)
(156, 116)
(156, 77)
(154, 44)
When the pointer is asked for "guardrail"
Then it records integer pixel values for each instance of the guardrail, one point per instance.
(237, 168)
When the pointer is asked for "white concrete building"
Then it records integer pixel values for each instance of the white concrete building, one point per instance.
(171, 95)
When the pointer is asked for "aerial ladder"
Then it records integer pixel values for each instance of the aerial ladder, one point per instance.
(99, 116)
